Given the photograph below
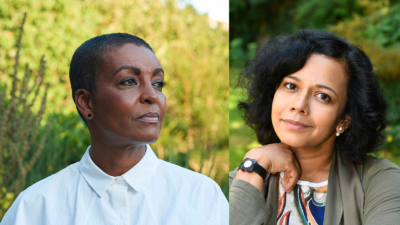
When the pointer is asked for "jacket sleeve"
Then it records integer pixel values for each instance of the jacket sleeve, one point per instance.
(246, 203)
(382, 193)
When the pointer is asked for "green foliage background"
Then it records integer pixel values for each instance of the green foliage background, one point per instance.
(372, 24)
(194, 57)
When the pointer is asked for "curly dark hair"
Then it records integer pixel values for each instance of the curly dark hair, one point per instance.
(285, 55)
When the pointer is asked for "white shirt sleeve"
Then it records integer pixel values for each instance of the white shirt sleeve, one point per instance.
(24, 211)
(209, 192)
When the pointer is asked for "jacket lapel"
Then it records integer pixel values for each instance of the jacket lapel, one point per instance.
(334, 204)
(345, 198)
(271, 194)
(352, 192)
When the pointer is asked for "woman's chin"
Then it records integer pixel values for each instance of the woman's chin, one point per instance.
(294, 142)
(149, 139)
(145, 135)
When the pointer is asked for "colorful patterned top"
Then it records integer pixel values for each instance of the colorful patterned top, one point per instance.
(305, 204)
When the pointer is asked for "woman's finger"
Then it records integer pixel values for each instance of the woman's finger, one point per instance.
(291, 177)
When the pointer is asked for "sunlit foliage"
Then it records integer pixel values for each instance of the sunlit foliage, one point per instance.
(19, 128)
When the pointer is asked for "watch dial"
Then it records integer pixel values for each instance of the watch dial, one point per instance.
(247, 163)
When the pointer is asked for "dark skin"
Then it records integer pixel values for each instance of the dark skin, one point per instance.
(127, 109)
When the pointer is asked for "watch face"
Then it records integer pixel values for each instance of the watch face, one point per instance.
(247, 163)
(251, 165)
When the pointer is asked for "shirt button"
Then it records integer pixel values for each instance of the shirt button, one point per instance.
(119, 180)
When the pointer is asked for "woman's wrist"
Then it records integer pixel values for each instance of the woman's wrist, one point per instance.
(262, 159)
(252, 177)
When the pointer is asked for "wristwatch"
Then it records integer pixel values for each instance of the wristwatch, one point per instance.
(251, 165)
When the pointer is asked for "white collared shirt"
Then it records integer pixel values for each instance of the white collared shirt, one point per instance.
(151, 192)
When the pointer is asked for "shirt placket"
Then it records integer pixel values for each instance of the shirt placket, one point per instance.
(118, 192)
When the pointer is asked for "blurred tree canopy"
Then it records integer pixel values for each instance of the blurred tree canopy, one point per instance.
(193, 55)
(257, 20)
(254, 21)
(254, 18)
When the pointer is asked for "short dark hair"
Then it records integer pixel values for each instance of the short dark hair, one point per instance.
(285, 55)
(85, 62)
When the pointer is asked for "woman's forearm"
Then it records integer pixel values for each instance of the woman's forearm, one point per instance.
(252, 178)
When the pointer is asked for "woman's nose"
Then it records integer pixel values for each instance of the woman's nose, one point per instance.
(148, 94)
(300, 104)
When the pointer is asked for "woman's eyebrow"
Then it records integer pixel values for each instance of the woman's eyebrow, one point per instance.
(326, 87)
(294, 78)
(157, 71)
(136, 70)
(318, 85)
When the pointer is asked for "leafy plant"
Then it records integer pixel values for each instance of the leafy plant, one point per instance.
(378, 35)
(19, 129)
(254, 21)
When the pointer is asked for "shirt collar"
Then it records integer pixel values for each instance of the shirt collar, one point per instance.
(137, 177)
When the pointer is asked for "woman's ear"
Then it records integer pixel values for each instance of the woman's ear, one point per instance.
(84, 103)
(344, 124)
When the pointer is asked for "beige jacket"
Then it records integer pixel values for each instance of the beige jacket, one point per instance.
(363, 194)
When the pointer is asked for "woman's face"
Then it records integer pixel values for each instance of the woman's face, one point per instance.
(129, 105)
(308, 104)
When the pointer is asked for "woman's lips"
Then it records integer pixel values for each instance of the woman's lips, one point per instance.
(296, 125)
(149, 118)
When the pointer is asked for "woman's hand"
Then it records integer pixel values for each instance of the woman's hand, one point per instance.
(274, 158)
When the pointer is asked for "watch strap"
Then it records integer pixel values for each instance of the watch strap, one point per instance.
(260, 170)
(254, 166)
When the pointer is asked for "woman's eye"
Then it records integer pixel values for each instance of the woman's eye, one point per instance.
(129, 82)
(159, 84)
(323, 97)
(290, 86)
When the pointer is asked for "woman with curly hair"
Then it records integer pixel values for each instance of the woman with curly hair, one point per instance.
(316, 105)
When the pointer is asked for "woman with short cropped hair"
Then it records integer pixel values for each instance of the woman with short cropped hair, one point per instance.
(117, 85)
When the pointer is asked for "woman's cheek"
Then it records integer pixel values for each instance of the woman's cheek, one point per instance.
(277, 108)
